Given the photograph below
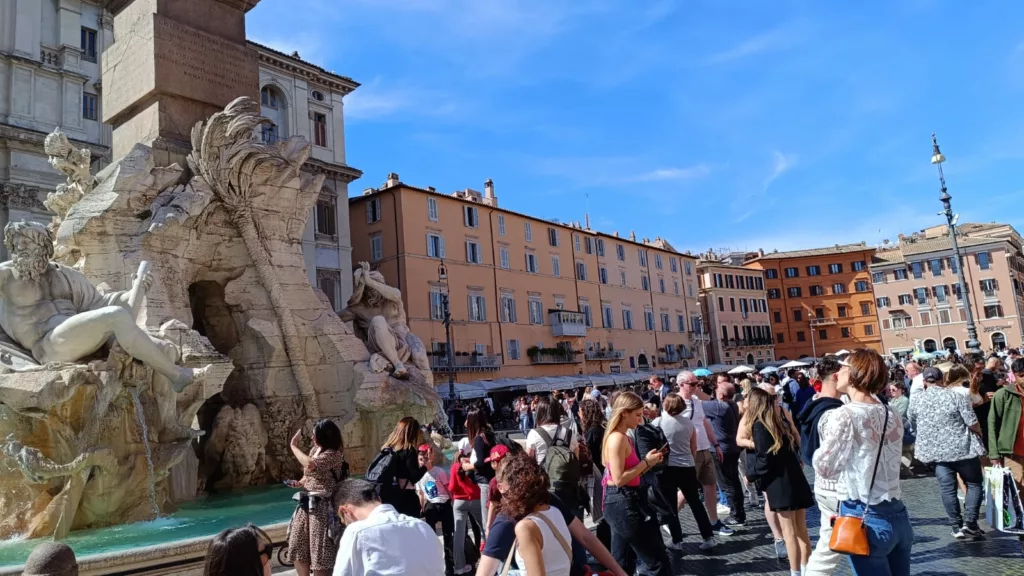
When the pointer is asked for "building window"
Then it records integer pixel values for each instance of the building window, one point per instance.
(641, 255)
(814, 270)
(503, 254)
(926, 319)
(89, 110)
(329, 282)
(376, 247)
(473, 252)
(917, 270)
(858, 266)
(771, 274)
(501, 224)
(777, 316)
(556, 266)
(798, 315)
(531, 262)
(435, 245)
(792, 272)
(681, 322)
(817, 290)
(661, 285)
(759, 284)
(794, 292)
(657, 261)
(869, 329)
(326, 215)
(470, 216)
(936, 266)
(844, 332)
(774, 294)
(944, 317)
(649, 320)
(675, 286)
(585, 310)
(780, 338)
(994, 311)
(878, 277)
(673, 264)
(627, 319)
(318, 95)
(477, 308)
(820, 312)
(799, 336)
(989, 287)
(822, 334)
(552, 236)
(729, 283)
(600, 247)
(269, 98)
(508, 308)
(941, 294)
(436, 305)
(622, 278)
(373, 211)
(88, 44)
(602, 275)
(528, 231)
(536, 310)
(764, 305)
(899, 274)
(645, 282)
(835, 268)
(882, 302)
(513, 349)
(984, 260)
(838, 289)
(581, 271)
(732, 304)
(885, 324)
(861, 286)
(721, 304)
(906, 299)
(320, 129)
(620, 252)
(576, 242)
(607, 317)
(921, 294)
(432, 209)
(841, 310)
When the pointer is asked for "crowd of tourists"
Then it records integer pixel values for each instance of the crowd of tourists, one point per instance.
(628, 462)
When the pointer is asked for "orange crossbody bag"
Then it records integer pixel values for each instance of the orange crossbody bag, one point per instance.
(849, 536)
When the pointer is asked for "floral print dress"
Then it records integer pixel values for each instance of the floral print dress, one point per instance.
(308, 540)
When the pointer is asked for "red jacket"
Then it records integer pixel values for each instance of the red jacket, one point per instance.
(461, 485)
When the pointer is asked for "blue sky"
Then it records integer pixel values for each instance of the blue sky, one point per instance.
(714, 124)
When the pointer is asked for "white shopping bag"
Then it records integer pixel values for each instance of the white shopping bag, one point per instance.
(1003, 508)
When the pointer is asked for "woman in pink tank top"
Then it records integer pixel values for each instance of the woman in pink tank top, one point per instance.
(635, 532)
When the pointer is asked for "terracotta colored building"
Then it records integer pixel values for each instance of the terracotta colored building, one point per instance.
(918, 296)
(820, 300)
(735, 305)
(528, 297)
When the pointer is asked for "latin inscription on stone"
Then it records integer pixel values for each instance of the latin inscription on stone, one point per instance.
(200, 66)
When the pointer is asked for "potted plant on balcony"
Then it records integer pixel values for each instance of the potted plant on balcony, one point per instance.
(533, 352)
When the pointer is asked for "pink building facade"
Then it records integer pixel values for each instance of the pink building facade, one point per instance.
(918, 296)
(735, 309)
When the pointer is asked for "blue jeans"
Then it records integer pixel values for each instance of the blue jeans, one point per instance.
(524, 423)
(889, 535)
(970, 471)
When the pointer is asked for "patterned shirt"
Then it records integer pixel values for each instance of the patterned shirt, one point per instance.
(941, 418)
(849, 451)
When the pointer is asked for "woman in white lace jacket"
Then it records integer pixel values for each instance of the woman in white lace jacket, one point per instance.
(861, 445)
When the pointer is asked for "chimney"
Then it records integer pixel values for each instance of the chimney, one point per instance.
(632, 235)
(392, 180)
(431, 189)
(760, 252)
(616, 233)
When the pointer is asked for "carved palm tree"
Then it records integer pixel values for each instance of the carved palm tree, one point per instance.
(226, 154)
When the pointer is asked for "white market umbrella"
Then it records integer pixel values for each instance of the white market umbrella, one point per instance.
(923, 356)
(794, 364)
(769, 370)
(842, 352)
(741, 370)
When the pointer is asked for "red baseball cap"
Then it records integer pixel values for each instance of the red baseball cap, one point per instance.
(424, 447)
(497, 453)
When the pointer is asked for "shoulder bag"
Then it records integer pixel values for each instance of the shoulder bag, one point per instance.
(849, 535)
(558, 536)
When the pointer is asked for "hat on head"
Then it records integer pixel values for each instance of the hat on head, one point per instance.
(424, 447)
(932, 374)
(497, 453)
(595, 394)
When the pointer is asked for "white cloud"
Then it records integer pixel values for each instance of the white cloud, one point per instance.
(377, 99)
(781, 163)
(671, 174)
(772, 40)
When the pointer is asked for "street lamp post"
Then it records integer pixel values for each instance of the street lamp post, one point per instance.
(446, 314)
(973, 345)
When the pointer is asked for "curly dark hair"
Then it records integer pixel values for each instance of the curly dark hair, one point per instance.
(526, 486)
(591, 414)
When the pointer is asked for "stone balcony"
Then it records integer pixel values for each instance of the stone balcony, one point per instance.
(470, 363)
(552, 356)
(565, 323)
(746, 342)
(606, 355)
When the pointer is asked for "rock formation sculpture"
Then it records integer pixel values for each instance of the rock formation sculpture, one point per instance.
(378, 315)
(73, 163)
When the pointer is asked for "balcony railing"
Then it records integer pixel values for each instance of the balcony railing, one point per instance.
(552, 356)
(604, 354)
(566, 323)
(471, 363)
(989, 293)
(829, 321)
(49, 56)
(746, 342)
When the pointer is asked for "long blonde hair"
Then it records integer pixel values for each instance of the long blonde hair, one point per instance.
(761, 408)
(624, 402)
(406, 435)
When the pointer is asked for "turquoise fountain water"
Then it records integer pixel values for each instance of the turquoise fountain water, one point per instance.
(204, 516)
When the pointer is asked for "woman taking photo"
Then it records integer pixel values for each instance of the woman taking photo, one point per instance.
(245, 551)
(777, 472)
(861, 443)
(405, 468)
(312, 546)
(635, 532)
(949, 435)
(542, 546)
(481, 439)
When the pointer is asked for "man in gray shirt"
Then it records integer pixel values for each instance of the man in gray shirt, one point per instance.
(724, 416)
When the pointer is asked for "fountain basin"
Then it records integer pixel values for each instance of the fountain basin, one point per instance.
(173, 544)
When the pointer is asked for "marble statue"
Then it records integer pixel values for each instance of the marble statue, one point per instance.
(378, 315)
(73, 163)
(56, 314)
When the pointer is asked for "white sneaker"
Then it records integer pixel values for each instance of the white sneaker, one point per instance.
(708, 544)
(780, 549)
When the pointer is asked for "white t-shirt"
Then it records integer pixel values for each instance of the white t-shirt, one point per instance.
(540, 448)
(465, 447)
(974, 398)
(434, 485)
(389, 543)
(695, 412)
(917, 383)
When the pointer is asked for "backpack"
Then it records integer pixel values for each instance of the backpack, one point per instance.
(381, 471)
(650, 437)
(586, 460)
(560, 464)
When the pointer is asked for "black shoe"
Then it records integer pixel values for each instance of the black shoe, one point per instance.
(734, 523)
(972, 533)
